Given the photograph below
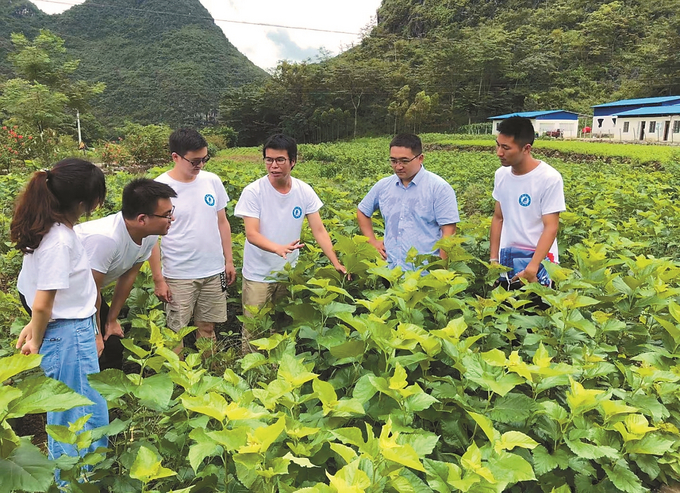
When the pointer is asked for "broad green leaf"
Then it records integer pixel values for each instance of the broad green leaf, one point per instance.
(542, 357)
(147, 466)
(511, 439)
(111, 384)
(623, 478)
(545, 462)
(485, 424)
(293, 371)
(398, 380)
(472, 461)
(418, 402)
(25, 469)
(349, 479)
(512, 408)
(230, 439)
(651, 444)
(210, 404)
(326, 394)
(252, 360)
(364, 389)
(349, 349)
(347, 407)
(581, 400)
(300, 461)
(423, 443)
(261, 438)
(637, 424)
(347, 453)
(17, 363)
(130, 345)
(670, 328)
(510, 468)
(204, 447)
(401, 454)
(612, 408)
(42, 394)
(674, 310)
(155, 392)
(495, 357)
(589, 451)
(7, 395)
(269, 343)
(61, 433)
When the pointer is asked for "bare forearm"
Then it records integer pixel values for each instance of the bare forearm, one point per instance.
(543, 247)
(225, 236)
(155, 263)
(121, 292)
(495, 237)
(365, 225)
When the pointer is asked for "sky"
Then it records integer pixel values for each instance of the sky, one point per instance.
(265, 46)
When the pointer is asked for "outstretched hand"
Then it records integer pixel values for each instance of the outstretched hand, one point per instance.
(284, 250)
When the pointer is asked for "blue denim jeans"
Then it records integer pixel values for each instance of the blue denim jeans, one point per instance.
(69, 355)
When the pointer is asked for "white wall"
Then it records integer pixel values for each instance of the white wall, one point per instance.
(569, 127)
(657, 135)
(608, 126)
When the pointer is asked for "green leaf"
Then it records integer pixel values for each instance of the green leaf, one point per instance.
(42, 394)
(293, 371)
(650, 444)
(623, 478)
(17, 363)
(418, 402)
(231, 440)
(512, 408)
(347, 453)
(25, 469)
(545, 462)
(398, 380)
(326, 394)
(349, 349)
(210, 404)
(486, 425)
(7, 395)
(589, 451)
(495, 357)
(204, 447)
(155, 392)
(510, 468)
(252, 360)
(364, 389)
(147, 466)
(111, 384)
(347, 407)
(511, 439)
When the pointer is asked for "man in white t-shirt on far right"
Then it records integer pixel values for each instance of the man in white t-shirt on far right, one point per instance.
(273, 209)
(529, 197)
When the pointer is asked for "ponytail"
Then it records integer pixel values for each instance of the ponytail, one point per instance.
(50, 196)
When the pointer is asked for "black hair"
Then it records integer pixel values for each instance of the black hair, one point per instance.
(281, 142)
(185, 140)
(141, 196)
(51, 196)
(519, 128)
(410, 141)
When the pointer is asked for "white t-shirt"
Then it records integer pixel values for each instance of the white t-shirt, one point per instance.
(110, 248)
(192, 249)
(60, 263)
(524, 200)
(281, 217)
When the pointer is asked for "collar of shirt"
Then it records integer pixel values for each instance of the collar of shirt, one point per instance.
(418, 176)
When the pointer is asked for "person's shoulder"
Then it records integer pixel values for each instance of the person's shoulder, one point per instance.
(104, 225)
(60, 234)
(549, 171)
(254, 186)
(164, 178)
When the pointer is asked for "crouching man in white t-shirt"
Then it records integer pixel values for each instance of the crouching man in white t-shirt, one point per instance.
(273, 209)
(196, 254)
(117, 246)
(529, 198)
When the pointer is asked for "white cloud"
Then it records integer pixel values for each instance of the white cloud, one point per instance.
(265, 46)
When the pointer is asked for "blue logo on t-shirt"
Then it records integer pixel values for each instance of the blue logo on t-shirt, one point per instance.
(209, 199)
(297, 212)
(524, 200)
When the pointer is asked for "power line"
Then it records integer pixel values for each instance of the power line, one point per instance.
(176, 14)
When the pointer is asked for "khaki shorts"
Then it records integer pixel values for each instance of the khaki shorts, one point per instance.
(257, 294)
(203, 299)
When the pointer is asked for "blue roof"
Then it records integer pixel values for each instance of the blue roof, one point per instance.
(530, 114)
(652, 110)
(642, 101)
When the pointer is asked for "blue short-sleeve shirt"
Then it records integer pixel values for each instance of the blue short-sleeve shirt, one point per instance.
(413, 215)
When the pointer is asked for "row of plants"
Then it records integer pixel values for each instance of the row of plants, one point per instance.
(436, 382)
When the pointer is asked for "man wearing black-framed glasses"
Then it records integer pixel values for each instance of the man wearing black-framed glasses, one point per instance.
(117, 246)
(197, 262)
(419, 207)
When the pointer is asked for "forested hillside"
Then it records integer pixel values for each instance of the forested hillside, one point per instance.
(161, 60)
(438, 64)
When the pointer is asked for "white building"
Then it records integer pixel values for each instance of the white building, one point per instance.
(652, 124)
(605, 115)
(559, 122)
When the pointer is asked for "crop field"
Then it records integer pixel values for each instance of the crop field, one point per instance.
(433, 383)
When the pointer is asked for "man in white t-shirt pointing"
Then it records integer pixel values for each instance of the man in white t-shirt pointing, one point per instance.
(196, 254)
(117, 246)
(529, 198)
(273, 209)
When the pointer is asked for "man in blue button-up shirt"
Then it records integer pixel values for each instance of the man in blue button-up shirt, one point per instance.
(418, 206)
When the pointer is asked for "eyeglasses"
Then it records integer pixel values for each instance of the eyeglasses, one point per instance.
(279, 160)
(169, 215)
(196, 162)
(404, 161)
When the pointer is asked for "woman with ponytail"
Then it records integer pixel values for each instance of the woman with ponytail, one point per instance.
(57, 287)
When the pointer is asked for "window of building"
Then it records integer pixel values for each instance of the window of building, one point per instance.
(676, 127)
(498, 124)
(626, 127)
(652, 127)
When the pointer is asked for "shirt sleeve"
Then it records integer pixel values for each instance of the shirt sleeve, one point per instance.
(496, 184)
(101, 251)
(370, 202)
(248, 204)
(446, 205)
(552, 199)
(222, 199)
(54, 267)
(312, 201)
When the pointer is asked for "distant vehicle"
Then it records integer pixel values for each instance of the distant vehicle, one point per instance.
(587, 130)
(554, 133)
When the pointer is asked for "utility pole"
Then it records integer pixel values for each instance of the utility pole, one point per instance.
(80, 136)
